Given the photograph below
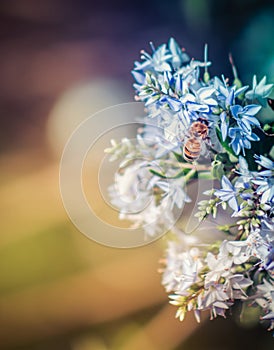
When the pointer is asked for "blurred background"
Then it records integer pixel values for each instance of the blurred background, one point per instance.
(60, 62)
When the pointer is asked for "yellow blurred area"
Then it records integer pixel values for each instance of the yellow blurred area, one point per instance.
(59, 287)
(55, 281)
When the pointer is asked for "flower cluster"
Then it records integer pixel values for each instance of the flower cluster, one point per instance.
(202, 127)
(148, 184)
(169, 83)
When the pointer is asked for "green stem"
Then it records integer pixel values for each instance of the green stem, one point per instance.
(189, 175)
(226, 227)
(197, 167)
(205, 175)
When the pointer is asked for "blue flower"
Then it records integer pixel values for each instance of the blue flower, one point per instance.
(158, 61)
(191, 104)
(241, 140)
(259, 91)
(139, 78)
(264, 162)
(178, 56)
(224, 125)
(204, 95)
(181, 85)
(228, 194)
(174, 104)
(229, 101)
(265, 179)
(269, 264)
(245, 116)
(245, 177)
(201, 101)
(265, 188)
(225, 94)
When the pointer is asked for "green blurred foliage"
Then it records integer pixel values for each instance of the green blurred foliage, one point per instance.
(38, 259)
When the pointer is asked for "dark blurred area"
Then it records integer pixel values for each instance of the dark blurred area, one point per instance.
(61, 61)
(48, 46)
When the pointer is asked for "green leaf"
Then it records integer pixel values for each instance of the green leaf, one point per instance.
(219, 165)
(181, 173)
(154, 172)
(179, 157)
(148, 78)
(271, 153)
(217, 170)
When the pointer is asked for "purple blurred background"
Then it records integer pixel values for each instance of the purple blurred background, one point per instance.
(61, 61)
(48, 46)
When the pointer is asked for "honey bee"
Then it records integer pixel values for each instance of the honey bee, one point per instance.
(193, 145)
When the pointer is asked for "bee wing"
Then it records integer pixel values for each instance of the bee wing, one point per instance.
(178, 129)
(171, 131)
(214, 141)
(204, 150)
(184, 119)
(184, 124)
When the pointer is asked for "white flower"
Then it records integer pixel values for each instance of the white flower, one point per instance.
(182, 268)
(234, 251)
(132, 195)
(265, 299)
(244, 180)
(215, 299)
(238, 252)
(257, 246)
(129, 183)
(154, 219)
(219, 267)
(235, 286)
(191, 267)
(175, 191)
